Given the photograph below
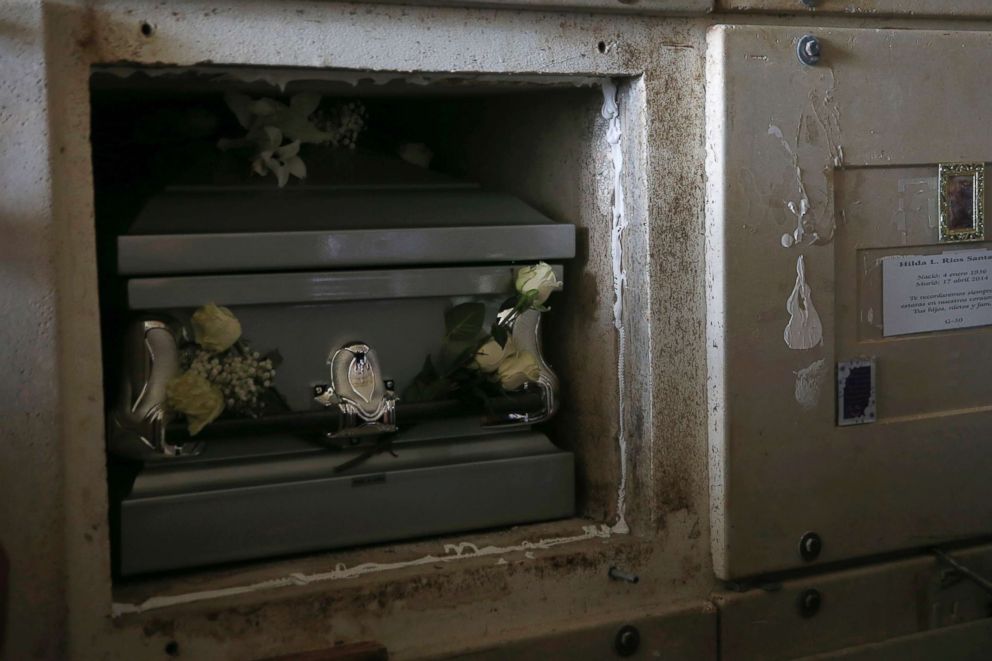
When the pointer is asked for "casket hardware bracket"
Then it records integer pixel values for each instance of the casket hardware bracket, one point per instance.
(366, 401)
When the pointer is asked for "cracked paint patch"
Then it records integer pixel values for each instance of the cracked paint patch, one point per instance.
(809, 383)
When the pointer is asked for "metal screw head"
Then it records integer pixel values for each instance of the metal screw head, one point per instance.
(810, 546)
(809, 602)
(627, 641)
(808, 49)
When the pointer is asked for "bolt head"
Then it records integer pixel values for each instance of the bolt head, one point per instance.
(627, 641)
(808, 49)
(810, 546)
(809, 602)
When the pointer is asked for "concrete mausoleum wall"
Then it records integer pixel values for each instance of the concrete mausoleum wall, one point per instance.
(419, 599)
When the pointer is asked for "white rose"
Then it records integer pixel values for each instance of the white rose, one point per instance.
(215, 328)
(540, 278)
(196, 398)
(518, 369)
(490, 354)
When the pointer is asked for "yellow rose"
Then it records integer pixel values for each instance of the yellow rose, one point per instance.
(490, 354)
(540, 278)
(215, 328)
(517, 369)
(195, 397)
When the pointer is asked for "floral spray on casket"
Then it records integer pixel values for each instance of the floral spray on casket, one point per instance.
(475, 365)
(221, 371)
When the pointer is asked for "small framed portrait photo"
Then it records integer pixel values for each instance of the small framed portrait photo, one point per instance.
(962, 202)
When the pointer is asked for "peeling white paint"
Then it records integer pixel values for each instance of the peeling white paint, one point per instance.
(824, 222)
(804, 330)
(777, 132)
(819, 125)
(830, 125)
(800, 214)
(611, 113)
(809, 383)
(453, 552)
(801, 208)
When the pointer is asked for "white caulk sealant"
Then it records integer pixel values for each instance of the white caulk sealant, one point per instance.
(453, 552)
(611, 113)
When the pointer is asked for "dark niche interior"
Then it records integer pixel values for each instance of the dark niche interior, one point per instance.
(158, 131)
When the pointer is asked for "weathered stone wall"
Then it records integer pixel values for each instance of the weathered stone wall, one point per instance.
(418, 599)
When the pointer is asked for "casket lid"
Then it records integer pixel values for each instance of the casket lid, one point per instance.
(242, 229)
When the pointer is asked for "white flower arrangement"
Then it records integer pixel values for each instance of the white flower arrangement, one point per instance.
(215, 328)
(220, 371)
(276, 130)
(535, 283)
(195, 397)
(514, 369)
(517, 370)
(470, 359)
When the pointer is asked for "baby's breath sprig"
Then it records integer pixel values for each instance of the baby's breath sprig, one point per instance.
(242, 375)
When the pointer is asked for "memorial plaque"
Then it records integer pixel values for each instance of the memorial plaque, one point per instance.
(925, 293)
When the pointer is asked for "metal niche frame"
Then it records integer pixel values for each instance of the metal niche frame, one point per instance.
(962, 202)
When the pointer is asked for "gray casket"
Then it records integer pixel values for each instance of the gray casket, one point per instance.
(307, 272)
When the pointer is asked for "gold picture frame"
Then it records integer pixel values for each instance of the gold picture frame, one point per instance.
(962, 202)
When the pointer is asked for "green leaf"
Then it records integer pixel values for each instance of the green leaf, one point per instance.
(288, 150)
(265, 107)
(271, 138)
(426, 385)
(463, 323)
(500, 334)
(305, 103)
(427, 372)
(240, 105)
(455, 355)
(300, 128)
